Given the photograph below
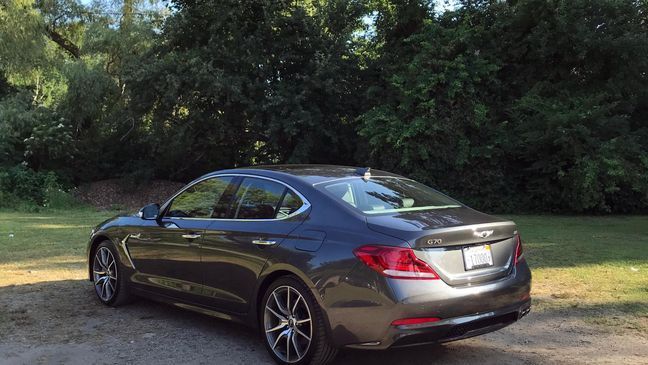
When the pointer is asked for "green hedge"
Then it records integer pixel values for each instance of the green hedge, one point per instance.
(24, 189)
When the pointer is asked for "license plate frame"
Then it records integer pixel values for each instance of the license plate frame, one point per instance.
(477, 257)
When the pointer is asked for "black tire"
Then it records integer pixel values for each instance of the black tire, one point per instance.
(320, 351)
(120, 295)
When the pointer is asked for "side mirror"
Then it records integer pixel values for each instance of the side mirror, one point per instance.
(149, 212)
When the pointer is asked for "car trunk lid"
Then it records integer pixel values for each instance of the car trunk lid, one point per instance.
(439, 238)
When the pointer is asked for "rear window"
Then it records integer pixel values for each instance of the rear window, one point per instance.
(387, 195)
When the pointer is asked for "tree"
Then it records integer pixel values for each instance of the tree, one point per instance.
(543, 101)
(575, 78)
(431, 117)
(509, 106)
(263, 81)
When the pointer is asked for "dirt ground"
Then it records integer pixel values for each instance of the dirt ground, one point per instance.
(62, 322)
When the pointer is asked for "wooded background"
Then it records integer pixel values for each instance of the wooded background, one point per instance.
(513, 106)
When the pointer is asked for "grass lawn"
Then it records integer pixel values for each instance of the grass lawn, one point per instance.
(598, 265)
(595, 267)
(46, 246)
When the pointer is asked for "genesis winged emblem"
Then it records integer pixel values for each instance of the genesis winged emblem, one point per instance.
(484, 234)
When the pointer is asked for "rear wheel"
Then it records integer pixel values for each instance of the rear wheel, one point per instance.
(109, 283)
(293, 325)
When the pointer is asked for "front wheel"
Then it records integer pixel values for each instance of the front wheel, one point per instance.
(293, 325)
(109, 283)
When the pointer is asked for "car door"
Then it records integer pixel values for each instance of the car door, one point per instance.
(166, 255)
(234, 251)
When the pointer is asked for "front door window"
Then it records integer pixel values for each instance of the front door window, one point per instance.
(199, 200)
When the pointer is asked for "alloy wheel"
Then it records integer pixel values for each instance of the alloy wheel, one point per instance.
(288, 324)
(104, 270)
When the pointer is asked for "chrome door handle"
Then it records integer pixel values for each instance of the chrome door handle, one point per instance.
(191, 236)
(264, 242)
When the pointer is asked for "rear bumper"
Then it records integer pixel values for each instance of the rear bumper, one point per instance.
(446, 330)
(465, 311)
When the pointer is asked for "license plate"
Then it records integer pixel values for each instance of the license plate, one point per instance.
(476, 257)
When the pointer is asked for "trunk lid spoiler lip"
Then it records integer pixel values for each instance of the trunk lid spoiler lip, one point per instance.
(473, 226)
(414, 238)
(482, 233)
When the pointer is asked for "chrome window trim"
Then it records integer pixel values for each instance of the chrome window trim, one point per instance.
(305, 206)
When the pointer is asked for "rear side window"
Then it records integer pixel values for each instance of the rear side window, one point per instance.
(387, 195)
(258, 199)
(289, 205)
(198, 201)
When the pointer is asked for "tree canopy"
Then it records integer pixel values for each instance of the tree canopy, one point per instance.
(525, 105)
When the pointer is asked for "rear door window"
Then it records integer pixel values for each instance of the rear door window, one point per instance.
(258, 199)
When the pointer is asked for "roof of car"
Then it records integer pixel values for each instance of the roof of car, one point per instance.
(311, 174)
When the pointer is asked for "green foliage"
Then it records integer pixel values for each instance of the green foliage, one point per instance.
(431, 106)
(527, 105)
(518, 105)
(579, 114)
(279, 83)
(24, 189)
(23, 44)
(33, 134)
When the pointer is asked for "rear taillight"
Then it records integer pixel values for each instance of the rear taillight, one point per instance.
(395, 262)
(519, 257)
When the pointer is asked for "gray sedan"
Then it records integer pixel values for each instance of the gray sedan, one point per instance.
(318, 258)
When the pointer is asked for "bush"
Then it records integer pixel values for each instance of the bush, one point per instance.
(24, 189)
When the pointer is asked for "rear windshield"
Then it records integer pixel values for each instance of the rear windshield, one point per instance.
(387, 195)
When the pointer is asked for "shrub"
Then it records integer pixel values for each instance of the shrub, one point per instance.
(24, 189)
